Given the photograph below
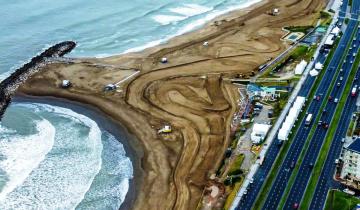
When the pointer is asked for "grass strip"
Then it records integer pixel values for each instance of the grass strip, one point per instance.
(283, 151)
(313, 129)
(340, 200)
(306, 201)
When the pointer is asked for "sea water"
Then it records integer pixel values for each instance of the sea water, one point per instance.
(53, 157)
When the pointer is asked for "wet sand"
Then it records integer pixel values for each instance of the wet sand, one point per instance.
(191, 93)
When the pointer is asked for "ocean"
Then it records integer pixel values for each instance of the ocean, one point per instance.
(52, 157)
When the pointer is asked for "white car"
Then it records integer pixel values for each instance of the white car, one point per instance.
(336, 100)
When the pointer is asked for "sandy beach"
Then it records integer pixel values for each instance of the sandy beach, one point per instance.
(190, 92)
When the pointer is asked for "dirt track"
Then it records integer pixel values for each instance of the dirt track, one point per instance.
(189, 93)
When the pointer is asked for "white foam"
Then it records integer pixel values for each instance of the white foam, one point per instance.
(212, 15)
(193, 25)
(168, 19)
(148, 45)
(65, 175)
(5, 75)
(190, 10)
(24, 154)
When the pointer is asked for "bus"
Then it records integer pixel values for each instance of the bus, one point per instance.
(308, 119)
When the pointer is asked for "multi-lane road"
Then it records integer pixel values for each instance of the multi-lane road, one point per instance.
(285, 171)
(281, 181)
(325, 180)
(303, 176)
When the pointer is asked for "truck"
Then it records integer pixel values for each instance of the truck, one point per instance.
(308, 119)
(353, 91)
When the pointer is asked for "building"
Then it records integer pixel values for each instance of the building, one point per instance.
(259, 132)
(351, 163)
(264, 93)
(330, 40)
(319, 66)
(291, 118)
(335, 31)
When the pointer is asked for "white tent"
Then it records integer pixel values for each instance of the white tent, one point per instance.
(319, 66)
(300, 100)
(335, 31)
(330, 40)
(291, 118)
(283, 134)
(259, 132)
(261, 128)
(299, 69)
(314, 73)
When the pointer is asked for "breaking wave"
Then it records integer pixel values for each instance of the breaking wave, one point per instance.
(59, 166)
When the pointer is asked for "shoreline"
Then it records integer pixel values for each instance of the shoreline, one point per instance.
(227, 13)
(106, 123)
(198, 103)
(204, 32)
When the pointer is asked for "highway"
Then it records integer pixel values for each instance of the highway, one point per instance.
(325, 180)
(303, 176)
(282, 178)
(248, 200)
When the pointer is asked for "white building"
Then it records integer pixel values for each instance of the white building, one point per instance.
(259, 132)
(335, 31)
(330, 40)
(314, 73)
(291, 118)
(299, 69)
(351, 162)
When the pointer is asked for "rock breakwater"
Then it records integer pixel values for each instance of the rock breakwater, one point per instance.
(9, 86)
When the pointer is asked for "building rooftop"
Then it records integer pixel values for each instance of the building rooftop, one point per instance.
(355, 146)
(253, 88)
